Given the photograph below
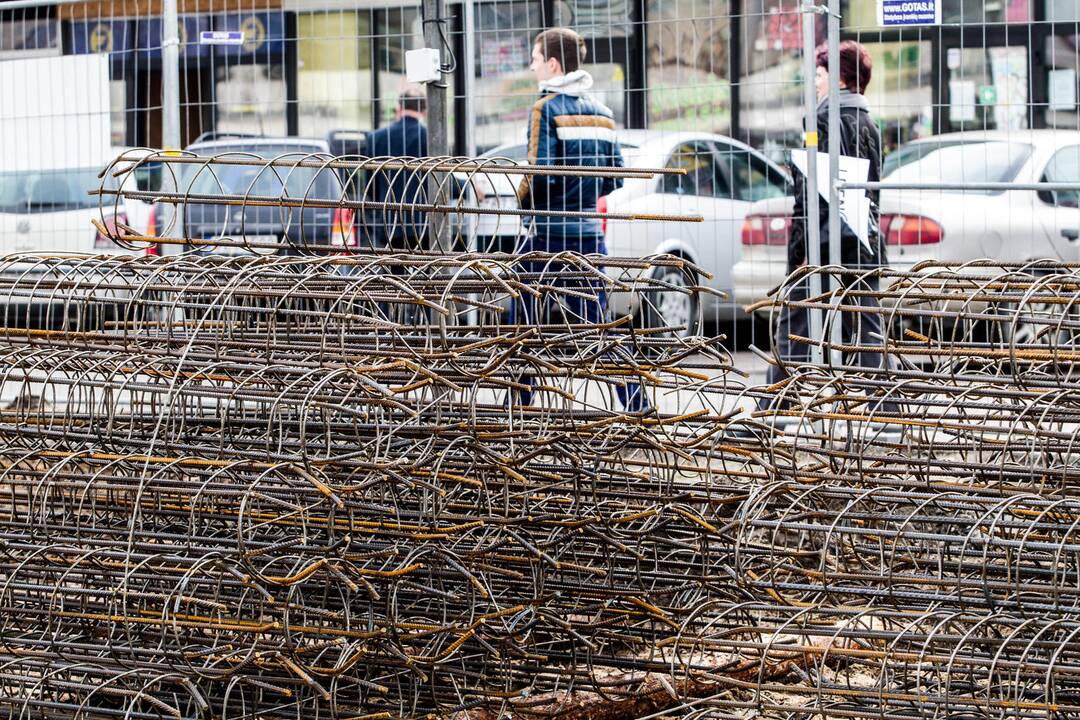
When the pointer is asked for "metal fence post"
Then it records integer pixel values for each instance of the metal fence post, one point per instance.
(813, 229)
(467, 90)
(834, 164)
(434, 16)
(170, 77)
(170, 93)
(470, 78)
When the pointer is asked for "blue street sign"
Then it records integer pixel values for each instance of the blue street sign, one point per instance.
(221, 37)
(892, 13)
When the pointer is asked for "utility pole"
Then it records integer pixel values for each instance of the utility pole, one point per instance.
(436, 35)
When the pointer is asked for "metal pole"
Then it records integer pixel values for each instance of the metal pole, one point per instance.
(470, 104)
(813, 228)
(170, 91)
(434, 16)
(470, 77)
(834, 164)
(170, 76)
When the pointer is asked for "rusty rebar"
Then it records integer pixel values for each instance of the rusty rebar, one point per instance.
(282, 486)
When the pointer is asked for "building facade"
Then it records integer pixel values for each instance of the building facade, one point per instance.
(305, 67)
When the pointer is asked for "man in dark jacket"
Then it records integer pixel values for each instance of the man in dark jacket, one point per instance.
(859, 137)
(406, 137)
(568, 127)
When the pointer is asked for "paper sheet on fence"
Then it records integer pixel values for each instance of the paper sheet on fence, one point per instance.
(854, 204)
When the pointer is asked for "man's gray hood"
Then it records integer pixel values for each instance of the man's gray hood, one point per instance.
(575, 83)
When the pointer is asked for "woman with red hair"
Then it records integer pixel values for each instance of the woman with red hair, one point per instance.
(859, 137)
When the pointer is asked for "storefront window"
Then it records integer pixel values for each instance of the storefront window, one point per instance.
(988, 88)
(985, 11)
(595, 18)
(505, 90)
(771, 89)
(251, 99)
(688, 65)
(1063, 86)
(901, 93)
(250, 90)
(1063, 10)
(401, 31)
(29, 37)
(334, 72)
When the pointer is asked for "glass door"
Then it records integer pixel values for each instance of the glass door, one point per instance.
(987, 88)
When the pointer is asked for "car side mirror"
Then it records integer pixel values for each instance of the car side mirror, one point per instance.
(148, 177)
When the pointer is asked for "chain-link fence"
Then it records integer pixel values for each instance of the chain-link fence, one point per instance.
(715, 87)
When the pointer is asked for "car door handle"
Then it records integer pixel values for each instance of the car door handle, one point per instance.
(1071, 234)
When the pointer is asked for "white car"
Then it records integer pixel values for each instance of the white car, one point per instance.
(498, 233)
(51, 211)
(723, 178)
(947, 225)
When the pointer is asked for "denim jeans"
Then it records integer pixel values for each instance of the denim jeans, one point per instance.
(568, 307)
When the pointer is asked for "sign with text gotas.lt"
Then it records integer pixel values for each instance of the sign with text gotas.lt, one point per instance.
(892, 13)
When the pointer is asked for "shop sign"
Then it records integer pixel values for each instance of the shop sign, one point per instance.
(894, 13)
(108, 37)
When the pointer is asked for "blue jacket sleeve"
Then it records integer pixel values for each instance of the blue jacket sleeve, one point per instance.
(610, 185)
(542, 151)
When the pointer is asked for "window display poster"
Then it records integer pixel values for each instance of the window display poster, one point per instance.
(1062, 89)
(502, 56)
(961, 100)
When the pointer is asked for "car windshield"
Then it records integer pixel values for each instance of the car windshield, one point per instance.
(911, 152)
(970, 162)
(259, 180)
(42, 191)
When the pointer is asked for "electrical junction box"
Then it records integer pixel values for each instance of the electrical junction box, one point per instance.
(423, 65)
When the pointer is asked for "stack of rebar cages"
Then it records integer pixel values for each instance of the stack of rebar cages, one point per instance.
(255, 463)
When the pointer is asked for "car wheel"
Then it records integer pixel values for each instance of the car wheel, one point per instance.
(671, 308)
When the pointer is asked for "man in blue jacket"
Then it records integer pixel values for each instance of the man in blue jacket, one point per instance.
(400, 229)
(568, 127)
(405, 137)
